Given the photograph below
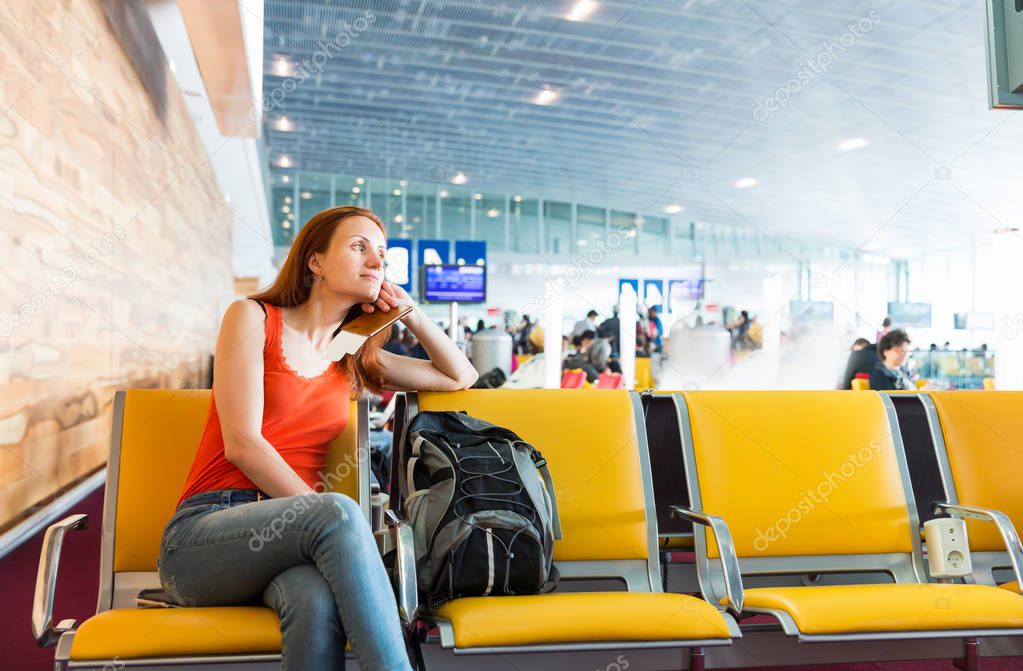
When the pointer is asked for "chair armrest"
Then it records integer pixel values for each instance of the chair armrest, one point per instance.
(43, 630)
(726, 554)
(1000, 520)
(406, 588)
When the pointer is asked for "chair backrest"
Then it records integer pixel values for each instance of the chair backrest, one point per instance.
(608, 380)
(595, 447)
(988, 383)
(804, 480)
(573, 378)
(155, 435)
(660, 415)
(860, 384)
(978, 436)
(918, 443)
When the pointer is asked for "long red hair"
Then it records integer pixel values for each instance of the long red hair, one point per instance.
(295, 281)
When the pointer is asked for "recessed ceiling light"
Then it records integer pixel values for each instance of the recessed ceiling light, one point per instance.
(307, 195)
(356, 189)
(545, 96)
(493, 212)
(746, 182)
(674, 209)
(396, 192)
(285, 224)
(402, 182)
(398, 218)
(460, 178)
(287, 199)
(360, 180)
(517, 199)
(282, 67)
(852, 143)
(284, 162)
(581, 10)
(478, 196)
(284, 124)
(285, 179)
(285, 209)
(443, 194)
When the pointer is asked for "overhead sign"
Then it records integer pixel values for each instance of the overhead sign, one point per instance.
(399, 263)
(471, 252)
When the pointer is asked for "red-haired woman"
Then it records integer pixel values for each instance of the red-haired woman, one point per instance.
(253, 523)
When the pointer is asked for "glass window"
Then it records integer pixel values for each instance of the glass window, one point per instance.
(385, 201)
(524, 225)
(282, 215)
(624, 223)
(653, 237)
(455, 215)
(490, 223)
(420, 211)
(681, 239)
(313, 195)
(350, 190)
(557, 227)
(589, 227)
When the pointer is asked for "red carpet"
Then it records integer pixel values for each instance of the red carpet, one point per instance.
(79, 582)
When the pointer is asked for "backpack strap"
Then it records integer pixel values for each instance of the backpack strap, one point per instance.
(545, 473)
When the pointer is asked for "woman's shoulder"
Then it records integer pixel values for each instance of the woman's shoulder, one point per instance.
(247, 310)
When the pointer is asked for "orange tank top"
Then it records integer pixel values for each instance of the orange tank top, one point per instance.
(301, 416)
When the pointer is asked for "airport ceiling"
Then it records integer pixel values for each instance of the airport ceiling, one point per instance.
(862, 123)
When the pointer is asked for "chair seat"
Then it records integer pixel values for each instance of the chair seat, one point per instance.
(850, 609)
(1012, 586)
(585, 617)
(132, 633)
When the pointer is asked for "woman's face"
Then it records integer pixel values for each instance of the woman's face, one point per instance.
(896, 356)
(354, 262)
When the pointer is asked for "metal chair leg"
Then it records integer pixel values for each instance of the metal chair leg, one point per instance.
(970, 660)
(697, 659)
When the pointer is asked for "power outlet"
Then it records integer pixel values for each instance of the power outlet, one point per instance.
(948, 548)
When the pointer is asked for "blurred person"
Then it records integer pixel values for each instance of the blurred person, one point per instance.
(862, 358)
(655, 330)
(890, 372)
(592, 356)
(481, 326)
(588, 324)
(886, 326)
(611, 328)
(395, 344)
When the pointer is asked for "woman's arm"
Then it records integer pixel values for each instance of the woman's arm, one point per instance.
(446, 370)
(238, 389)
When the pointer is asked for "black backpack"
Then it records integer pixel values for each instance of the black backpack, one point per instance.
(481, 504)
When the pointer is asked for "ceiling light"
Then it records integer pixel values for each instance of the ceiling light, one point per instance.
(285, 209)
(291, 216)
(356, 189)
(396, 192)
(287, 199)
(545, 96)
(398, 218)
(360, 180)
(493, 212)
(306, 195)
(673, 209)
(746, 182)
(284, 124)
(402, 182)
(284, 162)
(478, 196)
(282, 67)
(851, 144)
(581, 10)
(517, 199)
(582, 243)
(285, 179)
(443, 194)
(460, 178)
(285, 224)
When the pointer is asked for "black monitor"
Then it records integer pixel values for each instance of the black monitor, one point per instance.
(450, 283)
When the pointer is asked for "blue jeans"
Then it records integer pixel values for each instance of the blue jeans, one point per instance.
(311, 558)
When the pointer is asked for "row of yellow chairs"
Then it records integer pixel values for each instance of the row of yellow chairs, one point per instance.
(779, 483)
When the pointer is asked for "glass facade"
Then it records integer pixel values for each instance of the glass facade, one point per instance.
(508, 222)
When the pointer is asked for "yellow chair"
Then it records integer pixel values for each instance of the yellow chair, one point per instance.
(814, 483)
(860, 384)
(978, 441)
(989, 383)
(154, 439)
(644, 378)
(595, 446)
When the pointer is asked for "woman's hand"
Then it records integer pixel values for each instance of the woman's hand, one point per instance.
(389, 297)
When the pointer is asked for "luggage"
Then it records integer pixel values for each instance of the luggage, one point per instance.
(481, 504)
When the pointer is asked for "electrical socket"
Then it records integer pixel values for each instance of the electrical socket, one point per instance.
(948, 548)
